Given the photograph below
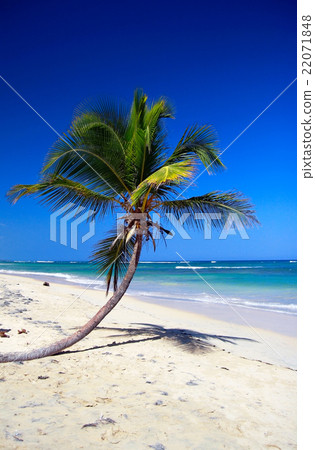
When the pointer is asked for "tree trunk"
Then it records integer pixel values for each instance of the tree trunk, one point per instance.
(89, 326)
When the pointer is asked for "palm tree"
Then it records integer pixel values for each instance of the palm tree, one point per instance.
(117, 159)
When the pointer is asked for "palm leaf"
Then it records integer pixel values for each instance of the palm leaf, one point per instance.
(168, 176)
(59, 191)
(146, 136)
(112, 256)
(89, 154)
(219, 203)
(198, 144)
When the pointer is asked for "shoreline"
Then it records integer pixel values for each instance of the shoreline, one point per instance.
(274, 321)
(265, 286)
(199, 382)
(259, 343)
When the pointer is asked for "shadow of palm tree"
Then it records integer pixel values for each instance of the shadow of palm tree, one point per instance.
(188, 340)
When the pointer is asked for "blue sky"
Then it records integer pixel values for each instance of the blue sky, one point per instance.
(219, 64)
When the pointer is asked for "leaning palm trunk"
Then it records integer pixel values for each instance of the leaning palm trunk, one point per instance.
(89, 326)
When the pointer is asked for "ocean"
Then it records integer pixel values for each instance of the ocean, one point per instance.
(262, 285)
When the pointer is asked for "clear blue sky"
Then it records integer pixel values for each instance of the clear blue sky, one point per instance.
(218, 63)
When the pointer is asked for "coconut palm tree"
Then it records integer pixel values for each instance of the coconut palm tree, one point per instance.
(115, 158)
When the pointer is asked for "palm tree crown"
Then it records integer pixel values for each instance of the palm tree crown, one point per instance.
(115, 158)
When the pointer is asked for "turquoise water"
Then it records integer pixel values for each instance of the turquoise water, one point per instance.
(266, 285)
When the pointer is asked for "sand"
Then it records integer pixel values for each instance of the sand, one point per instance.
(149, 376)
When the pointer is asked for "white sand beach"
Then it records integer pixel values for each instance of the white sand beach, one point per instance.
(150, 376)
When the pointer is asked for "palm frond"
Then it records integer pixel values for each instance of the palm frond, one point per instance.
(150, 157)
(59, 191)
(218, 203)
(146, 136)
(112, 256)
(109, 111)
(172, 174)
(89, 153)
(198, 144)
